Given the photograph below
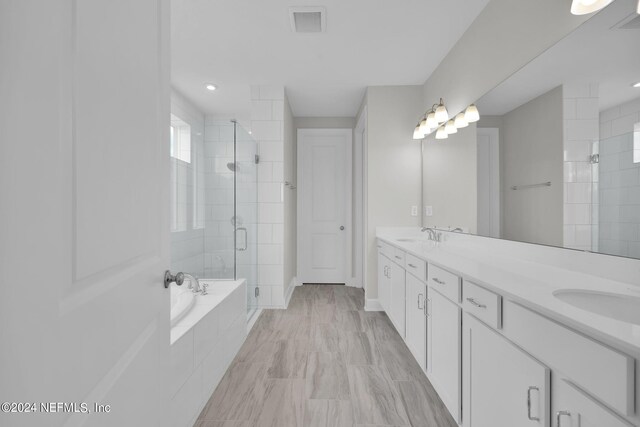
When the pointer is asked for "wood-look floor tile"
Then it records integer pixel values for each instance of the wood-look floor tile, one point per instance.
(361, 349)
(424, 407)
(399, 361)
(326, 376)
(210, 423)
(239, 395)
(328, 413)
(327, 338)
(283, 404)
(289, 359)
(349, 321)
(260, 347)
(379, 325)
(374, 397)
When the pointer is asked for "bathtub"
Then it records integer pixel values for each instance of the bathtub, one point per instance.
(207, 331)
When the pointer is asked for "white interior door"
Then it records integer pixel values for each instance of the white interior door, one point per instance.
(324, 205)
(84, 119)
(488, 182)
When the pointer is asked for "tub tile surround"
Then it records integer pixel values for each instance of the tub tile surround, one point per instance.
(203, 344)
(529, 274)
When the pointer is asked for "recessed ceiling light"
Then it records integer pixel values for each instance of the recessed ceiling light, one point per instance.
(211, 86)
(636, 84)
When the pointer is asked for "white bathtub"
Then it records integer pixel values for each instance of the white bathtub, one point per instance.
(206, 333)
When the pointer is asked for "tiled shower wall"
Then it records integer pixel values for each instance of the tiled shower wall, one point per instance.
(267, 125)
(581, 134)
(219, 244)
(187, 183)
(619, 181)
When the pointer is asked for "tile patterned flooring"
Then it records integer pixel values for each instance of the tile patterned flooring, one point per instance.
(324, 362)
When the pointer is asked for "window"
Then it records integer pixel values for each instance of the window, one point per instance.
(636, 143)
(180, 133)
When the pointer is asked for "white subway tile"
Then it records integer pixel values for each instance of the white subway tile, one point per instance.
(587, 108)
(278, 172)
(569, 108)
(579, 129)
(277, 110)
(272, 92)
(577, 151)
(270, 275)
(265, 233)
(265, 171)
(261, 110)
(270, 213)
(271, 151)
(624, 124)
(270, 254)
(577, 214)
(269, 192)
(576, 90)
(267, 130)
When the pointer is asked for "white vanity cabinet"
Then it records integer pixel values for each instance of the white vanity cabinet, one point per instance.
(504, 386)
(384, 285)
(416, 324)
(573, 408)
(445, 353)
(397, 311)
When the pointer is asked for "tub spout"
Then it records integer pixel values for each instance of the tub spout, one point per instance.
(194, 283)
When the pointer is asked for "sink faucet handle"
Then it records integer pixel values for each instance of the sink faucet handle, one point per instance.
(204, 287)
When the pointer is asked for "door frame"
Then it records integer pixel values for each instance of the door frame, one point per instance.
(360, 197)
(301, 133)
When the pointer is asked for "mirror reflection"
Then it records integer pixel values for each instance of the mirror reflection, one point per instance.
(555, 157)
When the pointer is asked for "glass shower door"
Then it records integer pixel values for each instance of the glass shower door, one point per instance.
(246, 214)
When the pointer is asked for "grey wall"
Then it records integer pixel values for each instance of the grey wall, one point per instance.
(450, 180)
(532, 149)
(290, 198)
(393, 166)
(504, 37)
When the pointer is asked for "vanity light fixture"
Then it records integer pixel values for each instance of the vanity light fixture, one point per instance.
(471, 114)
(424, 129)
(211, 86)
(416, 133)
(450, 128)
(583, 7)
(460, 121)
(637, 84)
(432, 123)
(441, 113)
(441, 133)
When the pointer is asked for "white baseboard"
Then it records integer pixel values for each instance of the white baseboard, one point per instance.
(372, 305)
(294, 282)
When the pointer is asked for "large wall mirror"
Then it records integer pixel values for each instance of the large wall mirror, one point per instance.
(555, 157)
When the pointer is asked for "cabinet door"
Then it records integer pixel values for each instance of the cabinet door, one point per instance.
(504, 386)
(445, 342)
(416, 323)
(383, 281)
(397, 312)
(572, 408)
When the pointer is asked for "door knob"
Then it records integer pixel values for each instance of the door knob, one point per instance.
(170, 278)
(342, 227)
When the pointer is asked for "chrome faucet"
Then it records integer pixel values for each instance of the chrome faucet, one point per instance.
(192, 280)
(457, 230)
(431, 232)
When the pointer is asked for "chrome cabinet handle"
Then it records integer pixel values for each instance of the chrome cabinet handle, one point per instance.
(561, 414)
(427, 310)
(438, 281)
(477, 304)
(529, 403)
(246, 235)
(420, 307)
(411, 265)
(170, 278)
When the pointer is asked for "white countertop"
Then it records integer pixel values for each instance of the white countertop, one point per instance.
(526, 282)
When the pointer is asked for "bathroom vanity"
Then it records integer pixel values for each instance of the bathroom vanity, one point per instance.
(509, 334)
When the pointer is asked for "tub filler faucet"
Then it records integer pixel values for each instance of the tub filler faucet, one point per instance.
(194, 283)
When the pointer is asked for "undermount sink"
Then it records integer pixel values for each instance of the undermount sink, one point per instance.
(625, 308)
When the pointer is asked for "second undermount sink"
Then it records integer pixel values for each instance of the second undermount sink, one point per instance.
(625, 308)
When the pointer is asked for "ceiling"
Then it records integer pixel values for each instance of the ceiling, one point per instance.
(596, 52)
(238, 43)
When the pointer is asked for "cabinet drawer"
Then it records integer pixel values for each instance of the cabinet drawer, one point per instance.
(416, 266)
(398, 257)
(386, 249)
(448, 284)
(575, 409)
(483, 304)
(605, 373)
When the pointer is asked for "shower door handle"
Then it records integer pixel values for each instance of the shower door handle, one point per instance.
(246, 235)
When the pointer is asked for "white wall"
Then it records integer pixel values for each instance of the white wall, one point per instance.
(393, 166)
(187, 191)
(619, 184)
(532, 142)
(450, 180)
(324, 123)
(290, 201)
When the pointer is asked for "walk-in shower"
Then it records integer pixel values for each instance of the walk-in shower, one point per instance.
(214, 200)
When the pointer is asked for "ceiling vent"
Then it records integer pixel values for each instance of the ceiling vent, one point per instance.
(631, 22)
(308, 19)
